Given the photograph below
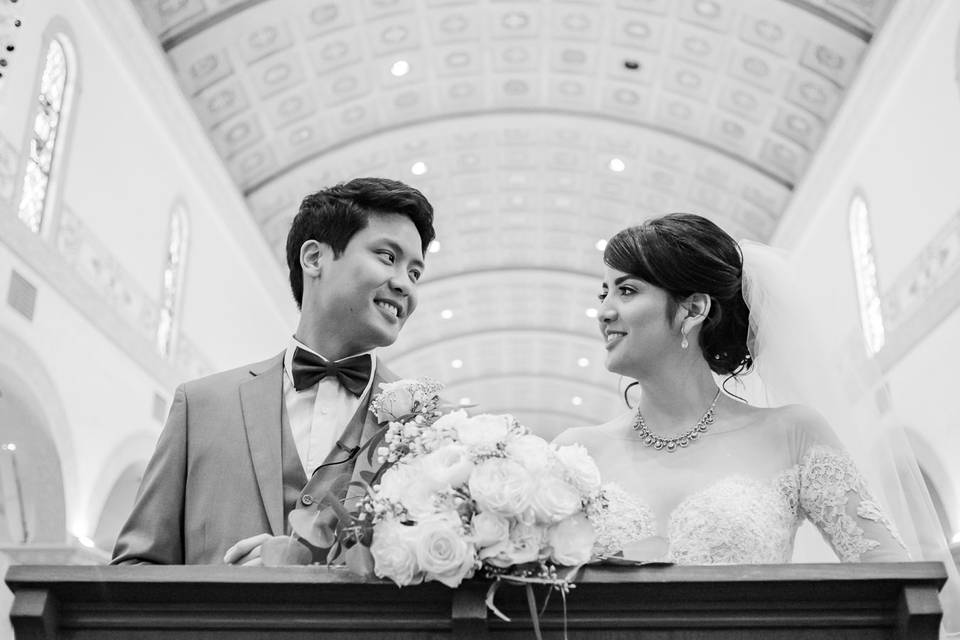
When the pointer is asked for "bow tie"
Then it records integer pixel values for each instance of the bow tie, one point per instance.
(309, 369)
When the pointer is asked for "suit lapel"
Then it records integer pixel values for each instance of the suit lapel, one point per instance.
(261, 399)
(367, 463)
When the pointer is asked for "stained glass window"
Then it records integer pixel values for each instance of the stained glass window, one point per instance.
(172, 281)
(46, 125)
(868, 291)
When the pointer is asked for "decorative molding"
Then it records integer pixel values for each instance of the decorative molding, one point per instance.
(90, 260)
(107, 299)
(94, 263)
(9, 163)
(925, 293)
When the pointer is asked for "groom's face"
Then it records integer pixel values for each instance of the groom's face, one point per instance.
(366, 294)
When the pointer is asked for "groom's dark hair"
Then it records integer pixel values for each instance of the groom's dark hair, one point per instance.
(334, 215)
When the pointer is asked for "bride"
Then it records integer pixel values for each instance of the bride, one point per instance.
(717, 480)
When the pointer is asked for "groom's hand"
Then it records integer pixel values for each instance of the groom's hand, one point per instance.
(247, 551)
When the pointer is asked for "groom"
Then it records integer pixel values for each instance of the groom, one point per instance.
(243, 448)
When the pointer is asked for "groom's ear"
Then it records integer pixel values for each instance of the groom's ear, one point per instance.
(312, 257)
(694, 310)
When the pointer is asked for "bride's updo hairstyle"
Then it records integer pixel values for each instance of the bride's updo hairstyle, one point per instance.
(683, 254)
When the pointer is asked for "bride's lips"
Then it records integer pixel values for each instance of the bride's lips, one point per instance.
(612, 338)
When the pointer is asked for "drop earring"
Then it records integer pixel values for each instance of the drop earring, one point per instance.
(683, 342)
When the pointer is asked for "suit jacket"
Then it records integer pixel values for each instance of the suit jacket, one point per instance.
(224, 466)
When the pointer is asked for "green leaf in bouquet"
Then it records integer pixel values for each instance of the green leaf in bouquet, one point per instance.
(359, 560)
(314, 526)
(332, 496)
(332, 501)
(373, 444)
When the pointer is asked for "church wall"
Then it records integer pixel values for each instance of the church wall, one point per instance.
(902, 160)
(120, 175)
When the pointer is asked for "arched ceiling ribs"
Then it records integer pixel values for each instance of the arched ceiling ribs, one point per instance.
(473, 336)
(466, 278)
(439, 119)
(228, 12)
(507, 376)
(833, 18)
(210, 21)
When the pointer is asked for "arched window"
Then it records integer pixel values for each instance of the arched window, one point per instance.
(172, 281)
(51, 110)
(868, 291)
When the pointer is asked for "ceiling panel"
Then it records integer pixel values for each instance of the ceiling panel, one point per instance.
(536, 128)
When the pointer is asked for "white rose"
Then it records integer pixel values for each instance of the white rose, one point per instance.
(447, 423)
(531, 451)
(521, 547)
(407, 485)
(451, 420)
(395, 400)
(449, 466)
(443, 552)
(394, 480)
(483, 431)
(488, 528)
(571, 540)
(394, 553)
(555, 499)
(502, 486)
(581, 469)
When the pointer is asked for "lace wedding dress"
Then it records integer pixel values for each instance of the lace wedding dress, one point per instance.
(738, 496)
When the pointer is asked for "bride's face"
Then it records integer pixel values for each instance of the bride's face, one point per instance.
(634, 323)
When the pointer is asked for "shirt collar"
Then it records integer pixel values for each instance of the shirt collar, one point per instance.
(294, 343)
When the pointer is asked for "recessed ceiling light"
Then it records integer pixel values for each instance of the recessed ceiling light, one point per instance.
(446, 314)
(456, 364)
(707, 8)
(616, 164)
(576, 400)
(418, 168)
(583, 362)
(601, 244)
(465, 401)
(434, 246)
(9, 446)
(400, 68)
(591, 313)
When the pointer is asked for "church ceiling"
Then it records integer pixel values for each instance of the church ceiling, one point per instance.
(536, 128)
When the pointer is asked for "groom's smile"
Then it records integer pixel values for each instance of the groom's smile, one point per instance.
(393, 310)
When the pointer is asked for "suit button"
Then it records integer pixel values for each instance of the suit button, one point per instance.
(306, 499)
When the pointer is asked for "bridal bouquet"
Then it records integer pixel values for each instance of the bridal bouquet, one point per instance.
(461, 494)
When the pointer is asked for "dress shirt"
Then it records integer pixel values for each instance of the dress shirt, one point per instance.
(318, 414)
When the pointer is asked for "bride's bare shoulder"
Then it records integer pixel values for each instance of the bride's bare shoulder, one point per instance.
(592, 434)
(791, 418)
(790, 414)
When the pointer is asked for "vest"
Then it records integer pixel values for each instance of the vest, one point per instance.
(298, 493)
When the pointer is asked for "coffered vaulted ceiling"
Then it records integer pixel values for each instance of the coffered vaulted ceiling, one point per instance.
(536, 129)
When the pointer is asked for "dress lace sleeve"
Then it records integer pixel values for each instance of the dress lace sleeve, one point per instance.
(835, 497)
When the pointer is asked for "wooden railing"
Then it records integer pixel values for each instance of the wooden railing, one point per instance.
(764, 601)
